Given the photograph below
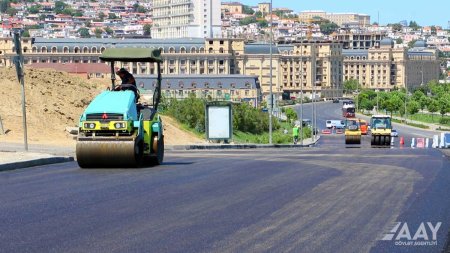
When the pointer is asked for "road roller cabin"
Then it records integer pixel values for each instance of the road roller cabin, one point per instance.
(114, 131)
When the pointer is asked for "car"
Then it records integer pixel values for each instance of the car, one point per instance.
(394, 133)
(336, 101)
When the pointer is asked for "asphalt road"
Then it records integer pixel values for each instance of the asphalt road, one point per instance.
(329, 198)
(331, 111)
(298, 200)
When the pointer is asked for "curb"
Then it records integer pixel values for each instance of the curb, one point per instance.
(236, 146)
(35, 162)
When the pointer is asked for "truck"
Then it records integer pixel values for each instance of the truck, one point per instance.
(348, 111)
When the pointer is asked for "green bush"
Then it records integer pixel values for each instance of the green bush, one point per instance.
(444, 121)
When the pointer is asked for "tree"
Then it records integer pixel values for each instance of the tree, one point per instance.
(98, 32)
(263, 23)
(258, 14)
(413, 107)
(396, 27)
(291, 115)
(433, 30)
(4, 5)
(26, 34)
(444, 104)
(247, 20)
(78, 13)
(11, 11)
(433, 107)
(108, 30)
(375, 23)
(84, 33)
(393, 104)
(399, 41)
(34, 9)
(414, 25)
(141, 9)
(328, 27)
(59, 7)
(247, 10)
(350, 86)
(101, 16)
(147, 29)
(112, 16)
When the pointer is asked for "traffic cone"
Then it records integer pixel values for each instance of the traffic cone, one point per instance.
(402, 140)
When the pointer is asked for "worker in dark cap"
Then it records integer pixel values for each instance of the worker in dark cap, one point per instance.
(128, 82)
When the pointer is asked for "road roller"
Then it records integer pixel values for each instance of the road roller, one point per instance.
(115, 130)
(352, 131)
(380, 129)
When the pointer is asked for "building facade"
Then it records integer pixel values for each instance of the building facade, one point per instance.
(359, 40)
(232, 8)
(388, 68)
(186, 19)
(341, 19)
(318, 67)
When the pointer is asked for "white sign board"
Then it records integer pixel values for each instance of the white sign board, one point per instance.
(219, 122)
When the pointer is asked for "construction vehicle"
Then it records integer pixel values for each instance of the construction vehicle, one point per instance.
(363, 126)
(348, 110)
(380, 129)
(352, 131)
(115, 131)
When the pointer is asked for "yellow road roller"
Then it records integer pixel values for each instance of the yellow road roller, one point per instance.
(352, 131)
(380, 130)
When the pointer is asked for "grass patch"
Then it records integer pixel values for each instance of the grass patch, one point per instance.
(278, 136)
(411, 124)
(429, 118)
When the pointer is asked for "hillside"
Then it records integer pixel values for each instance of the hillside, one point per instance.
(54, 101)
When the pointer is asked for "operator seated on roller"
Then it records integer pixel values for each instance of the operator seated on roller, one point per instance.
(128, 82)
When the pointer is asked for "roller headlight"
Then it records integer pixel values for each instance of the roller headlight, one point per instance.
(119, 125)
(89, 125)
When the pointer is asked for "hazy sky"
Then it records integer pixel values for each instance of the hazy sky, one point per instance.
(424, 12)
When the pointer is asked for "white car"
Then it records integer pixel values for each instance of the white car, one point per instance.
(394, 133)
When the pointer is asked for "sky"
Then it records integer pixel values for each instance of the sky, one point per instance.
(424, 12)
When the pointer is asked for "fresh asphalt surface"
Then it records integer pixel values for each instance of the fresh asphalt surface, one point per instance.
(327, 198)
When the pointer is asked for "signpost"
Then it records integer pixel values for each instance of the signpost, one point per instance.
(18, 61)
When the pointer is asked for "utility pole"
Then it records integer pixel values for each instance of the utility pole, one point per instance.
(313, 92)
(18, 60)
(270, 82)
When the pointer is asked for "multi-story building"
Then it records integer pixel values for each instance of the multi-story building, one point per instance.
(186, 19)
(232, 7)
(264, 8)
(386, 68)
(341, 19)
(308, 66)
(359, 39)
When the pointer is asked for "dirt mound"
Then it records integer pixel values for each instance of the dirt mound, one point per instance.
(55, 100)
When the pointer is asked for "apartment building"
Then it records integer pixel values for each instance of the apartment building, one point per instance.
(308, 66)
(341, 19)
(387, 68)
(186, 19)
(359, 39)
(232, 7)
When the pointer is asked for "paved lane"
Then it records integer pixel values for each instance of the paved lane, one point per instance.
(329, 110)
(311, 200)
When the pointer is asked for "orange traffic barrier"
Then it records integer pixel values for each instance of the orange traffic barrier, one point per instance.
(402, 140)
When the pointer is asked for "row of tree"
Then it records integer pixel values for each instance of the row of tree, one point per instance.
(191, 112)
(433, 97)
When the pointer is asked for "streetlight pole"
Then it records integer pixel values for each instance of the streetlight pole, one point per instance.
(406, 93)
(270, 82)
(301, 109)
